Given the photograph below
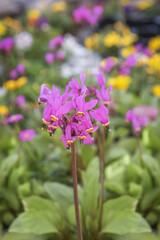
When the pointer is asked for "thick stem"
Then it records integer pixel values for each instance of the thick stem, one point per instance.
(75, 189)
(140, 151)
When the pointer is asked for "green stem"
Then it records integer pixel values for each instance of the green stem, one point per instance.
(75, 190)
(140, 151)
(102, 164)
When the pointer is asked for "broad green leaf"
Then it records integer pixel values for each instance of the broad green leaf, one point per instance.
(146, 181)
(60, 193)
(143, 236)
(17, 236)
(6, 166)
(130, 144)
(91, 189)
(124, 222)
(153, 167)
(116, 186)
(150, 199)
(48, 207)
(111, 207)
(34, 222)
(135, 190)
(134, 173)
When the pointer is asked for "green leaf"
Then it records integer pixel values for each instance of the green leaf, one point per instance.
(135, 189)
(17, 236)
(34, 222)
(150, 199)
(124, 222)
(130, 144)
(143, 236)
(6, 166)
(49, 208)
(111, 207)
(60, 193)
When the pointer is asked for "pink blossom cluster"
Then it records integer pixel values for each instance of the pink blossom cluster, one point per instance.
(76, 111)
(84, 14)
(137, 121)
(18, 71)
(54, 44)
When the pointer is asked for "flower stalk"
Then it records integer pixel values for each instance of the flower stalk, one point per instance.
(75, 190)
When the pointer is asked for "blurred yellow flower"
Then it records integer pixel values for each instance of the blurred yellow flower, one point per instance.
(12, 23)
(4, 110)
(144, 4)
(125, 52)
(34, 14)
(154, 43)
(120, 82)
(112, 39)
(21, 81)
(3, 29)
(154, 64)
(15, 84)
(125, 2)
(92, 42)
(59, 6)
(156, 90)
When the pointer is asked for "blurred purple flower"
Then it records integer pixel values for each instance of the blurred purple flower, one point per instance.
(6, 45)
(56, 42)
(21, 100)
(124, 70)
(15, 118)
(150, 112)
(131, 60)
(13, 74)
(49, 57)
(27, 135)
(59, 55)
(20, 68)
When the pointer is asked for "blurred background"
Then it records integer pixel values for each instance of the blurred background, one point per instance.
(49, 42)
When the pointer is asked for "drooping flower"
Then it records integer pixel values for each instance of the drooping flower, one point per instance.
(101, 115)
(27, 135)
(76, 89)
(15, 118)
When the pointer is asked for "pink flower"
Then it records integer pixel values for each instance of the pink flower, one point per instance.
(27, 135)
(101, 115)
(15, 118)
(56, 42)
(20, 100)
(124, 70)
(13, 74)
(85, 15)
(76, 89)
(150, 112)
(49, 57)
(137, 121)
(109, 65)
(20, 69)
(59, 55)
(131, 61)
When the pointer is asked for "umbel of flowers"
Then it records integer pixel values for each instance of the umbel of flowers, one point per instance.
(77, 113)
(72, 112)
